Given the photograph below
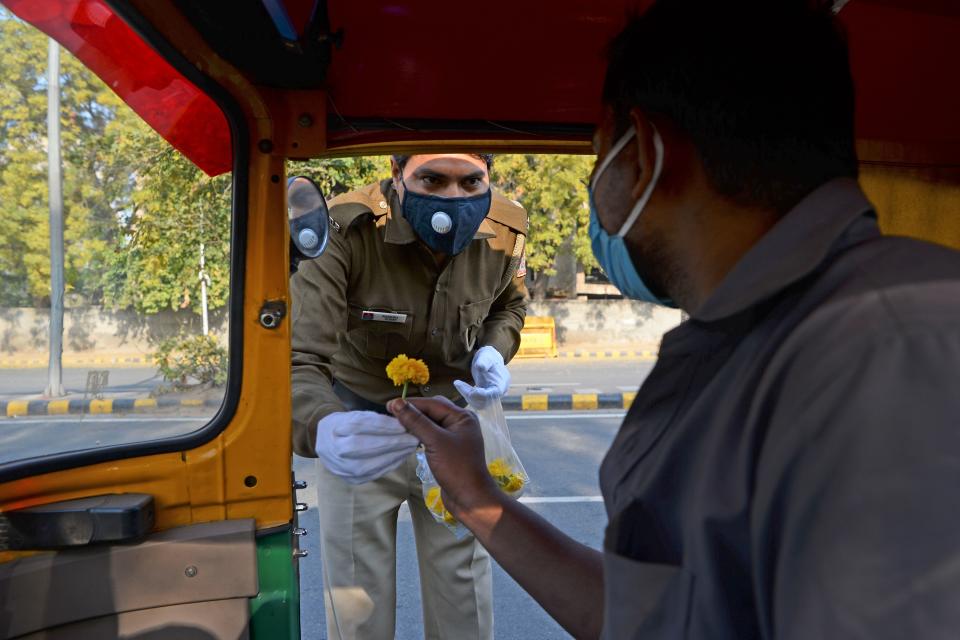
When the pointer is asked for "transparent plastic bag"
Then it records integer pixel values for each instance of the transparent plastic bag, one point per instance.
(503, 463)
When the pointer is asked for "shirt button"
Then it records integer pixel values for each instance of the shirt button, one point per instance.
(426, 388)
(438, 287)
(434, 332)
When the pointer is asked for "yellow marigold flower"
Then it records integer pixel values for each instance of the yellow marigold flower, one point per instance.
(403, 370)
(504, 475)
(514, 483)
(435, 503)
(433, 500)
(499, 467)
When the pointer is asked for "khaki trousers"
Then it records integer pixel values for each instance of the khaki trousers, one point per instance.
(358, 547)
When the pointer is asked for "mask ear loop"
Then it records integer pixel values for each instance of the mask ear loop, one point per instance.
(612, 154)
(657, 168)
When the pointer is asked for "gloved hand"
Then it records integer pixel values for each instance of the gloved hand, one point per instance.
(490, 377)
(360, 446)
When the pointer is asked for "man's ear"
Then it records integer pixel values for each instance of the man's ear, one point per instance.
(646, 154)
(396, 174)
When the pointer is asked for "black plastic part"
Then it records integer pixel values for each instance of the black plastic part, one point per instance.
(124, 517)
(262, 53)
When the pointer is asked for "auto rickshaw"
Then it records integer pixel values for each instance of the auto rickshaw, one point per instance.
(196, 532)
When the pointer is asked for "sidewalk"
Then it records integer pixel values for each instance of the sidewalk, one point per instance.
(131, 359)
(645, 351)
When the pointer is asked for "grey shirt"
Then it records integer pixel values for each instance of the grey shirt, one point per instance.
(791, 467)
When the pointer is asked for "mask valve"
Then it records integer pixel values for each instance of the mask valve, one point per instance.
(308, 239)
(441, 222)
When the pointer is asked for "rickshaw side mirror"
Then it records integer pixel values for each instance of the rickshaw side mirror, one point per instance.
(308, 219)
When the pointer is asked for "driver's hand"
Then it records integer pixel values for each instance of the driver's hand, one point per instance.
(453, 444)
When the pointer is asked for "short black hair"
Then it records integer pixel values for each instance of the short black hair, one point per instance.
(486, 157)
(762, 87)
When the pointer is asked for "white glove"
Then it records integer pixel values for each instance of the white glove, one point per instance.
(360, 446)
(490, 376)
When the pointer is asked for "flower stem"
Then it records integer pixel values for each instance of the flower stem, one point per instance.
(404, 394)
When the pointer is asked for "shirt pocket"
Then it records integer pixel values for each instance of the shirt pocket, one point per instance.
(376, 338)
(472, 315)
(645, 600)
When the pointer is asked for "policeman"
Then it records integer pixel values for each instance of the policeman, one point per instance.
(428, 263)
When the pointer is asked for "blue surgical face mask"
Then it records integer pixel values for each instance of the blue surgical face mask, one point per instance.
(611, 250)
(446, 225)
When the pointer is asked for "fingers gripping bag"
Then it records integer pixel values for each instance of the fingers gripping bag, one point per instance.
(503, 463)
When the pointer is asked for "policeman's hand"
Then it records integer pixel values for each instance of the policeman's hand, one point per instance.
(490, 376)
(453, 443)
(360, 446)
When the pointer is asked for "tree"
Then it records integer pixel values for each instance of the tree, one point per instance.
(136, 210)
(154, 263)
(95, 182)
(335, 176)
(553, 191)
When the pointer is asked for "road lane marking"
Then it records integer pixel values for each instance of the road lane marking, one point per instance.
(187, 419)
(100, 419)
(567, 416)
(559, 499)
(544, 384)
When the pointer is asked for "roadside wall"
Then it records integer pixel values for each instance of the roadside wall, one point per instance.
(92, 329)
(88, 329)
(606, 322)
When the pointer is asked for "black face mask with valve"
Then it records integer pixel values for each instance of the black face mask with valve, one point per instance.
(446, 225)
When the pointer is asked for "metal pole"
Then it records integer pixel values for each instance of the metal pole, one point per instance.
(203, 281)
(55, 187)
(203, 293)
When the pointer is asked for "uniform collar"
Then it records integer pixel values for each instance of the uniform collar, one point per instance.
(399, 231)
(795, 246)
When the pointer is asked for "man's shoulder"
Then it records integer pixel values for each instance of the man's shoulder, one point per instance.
(507, 212)
(882, 293)
(894, 282)
(348, 208)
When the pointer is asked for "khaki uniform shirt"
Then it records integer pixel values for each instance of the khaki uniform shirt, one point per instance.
(377, 292)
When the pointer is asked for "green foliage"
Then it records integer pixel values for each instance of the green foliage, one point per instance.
(200, 358)
(154, 265)
(335, 176)
(135, 210)
(551, 188)
(93, 181)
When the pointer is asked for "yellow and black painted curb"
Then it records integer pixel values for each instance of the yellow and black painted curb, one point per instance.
(568, 401)
(79, 406)
(94, 406)
(76, 362)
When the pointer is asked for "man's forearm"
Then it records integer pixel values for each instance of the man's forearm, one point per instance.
(561, 574)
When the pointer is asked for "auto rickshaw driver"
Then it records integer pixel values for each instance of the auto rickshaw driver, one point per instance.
(786, 469)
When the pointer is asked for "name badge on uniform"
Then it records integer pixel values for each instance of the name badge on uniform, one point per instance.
(384, 316)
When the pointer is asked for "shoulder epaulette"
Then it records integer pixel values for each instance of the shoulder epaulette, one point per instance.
(347, 208)
(508, 212)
